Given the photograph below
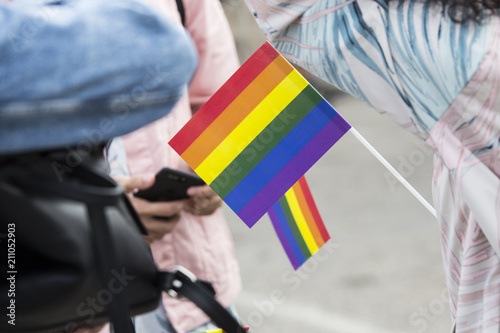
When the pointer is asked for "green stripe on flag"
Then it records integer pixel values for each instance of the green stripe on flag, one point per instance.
(294, 227)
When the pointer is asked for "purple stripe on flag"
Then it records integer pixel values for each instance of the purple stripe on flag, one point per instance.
(295, 169)
(281, 235)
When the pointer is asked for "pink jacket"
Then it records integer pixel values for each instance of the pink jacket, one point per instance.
(202, 244)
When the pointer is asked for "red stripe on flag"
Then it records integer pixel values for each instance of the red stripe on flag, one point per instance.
(306, 211)
(314, 210)
(223, 97)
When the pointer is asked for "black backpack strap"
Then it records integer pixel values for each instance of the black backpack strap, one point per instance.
(182, 283)
(182, 12)
(118, 310)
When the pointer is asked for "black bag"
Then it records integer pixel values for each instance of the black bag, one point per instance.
(73, 251)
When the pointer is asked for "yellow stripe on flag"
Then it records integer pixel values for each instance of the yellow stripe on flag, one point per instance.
(251, 126)
(301, 221)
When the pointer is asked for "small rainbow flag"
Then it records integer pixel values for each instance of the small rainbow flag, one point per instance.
(258, 134)
(298, 224)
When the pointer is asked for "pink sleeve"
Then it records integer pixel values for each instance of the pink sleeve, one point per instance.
(168, 8)
(210, 30)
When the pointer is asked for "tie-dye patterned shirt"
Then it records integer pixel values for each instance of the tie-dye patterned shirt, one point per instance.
(441, 81)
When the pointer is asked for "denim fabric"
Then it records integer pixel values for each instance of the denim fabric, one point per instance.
(84, 71)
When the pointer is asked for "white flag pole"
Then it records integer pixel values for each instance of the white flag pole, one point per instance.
(393, 171)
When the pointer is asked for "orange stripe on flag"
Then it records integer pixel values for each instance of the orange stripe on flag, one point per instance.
(314, 210)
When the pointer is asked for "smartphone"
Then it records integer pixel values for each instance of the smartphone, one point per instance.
(170, 185)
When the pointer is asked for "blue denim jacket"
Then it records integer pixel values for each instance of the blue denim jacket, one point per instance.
(83, 71)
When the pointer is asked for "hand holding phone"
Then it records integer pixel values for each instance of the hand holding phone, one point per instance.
(170, 185)
(204, 201)
(158, 218)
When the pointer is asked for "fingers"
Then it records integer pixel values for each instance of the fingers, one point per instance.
(206, 208)
(140, 182)
(161, 208)
(201, 191)
(204, 201)
(158, 227)
(159, 218)
(93, 329)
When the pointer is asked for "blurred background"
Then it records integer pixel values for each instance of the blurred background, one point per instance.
(382, 271)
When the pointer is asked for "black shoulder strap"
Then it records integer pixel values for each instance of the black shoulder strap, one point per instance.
(182, 12)
(181, 283)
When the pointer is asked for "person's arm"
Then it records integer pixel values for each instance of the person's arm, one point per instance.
(218, 59)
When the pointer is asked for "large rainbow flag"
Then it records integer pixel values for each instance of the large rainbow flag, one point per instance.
(258, 134)
(298, 224)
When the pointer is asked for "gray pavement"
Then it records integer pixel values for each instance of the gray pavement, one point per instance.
(382, 271)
